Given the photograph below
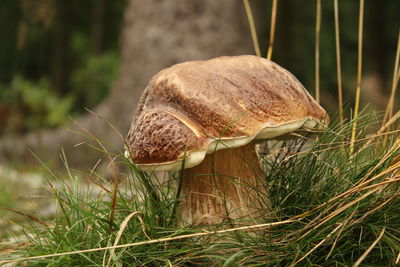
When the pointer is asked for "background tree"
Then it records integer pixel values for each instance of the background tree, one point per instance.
(62, 55)
(156, 34)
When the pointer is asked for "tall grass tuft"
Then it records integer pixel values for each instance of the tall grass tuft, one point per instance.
(331, 208)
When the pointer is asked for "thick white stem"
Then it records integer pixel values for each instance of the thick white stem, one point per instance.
(228, 186)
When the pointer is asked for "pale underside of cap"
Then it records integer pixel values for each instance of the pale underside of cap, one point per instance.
(198, 107)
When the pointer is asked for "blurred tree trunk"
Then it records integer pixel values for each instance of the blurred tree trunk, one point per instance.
(100, 8)
(156, 34)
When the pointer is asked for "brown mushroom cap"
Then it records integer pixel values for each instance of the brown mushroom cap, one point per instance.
(197, 107)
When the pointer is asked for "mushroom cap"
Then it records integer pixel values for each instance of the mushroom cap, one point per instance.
(198, 107)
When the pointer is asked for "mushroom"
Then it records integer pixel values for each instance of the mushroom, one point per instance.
(206, 116)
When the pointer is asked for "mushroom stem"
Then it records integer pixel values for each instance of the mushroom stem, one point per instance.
(227, 185)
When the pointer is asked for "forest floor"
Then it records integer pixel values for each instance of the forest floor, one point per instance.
(22, 194)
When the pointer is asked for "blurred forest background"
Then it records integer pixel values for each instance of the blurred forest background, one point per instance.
(59, 56)
(56, 57)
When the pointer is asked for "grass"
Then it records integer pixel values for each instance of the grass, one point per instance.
(20, 196)
(333, 206)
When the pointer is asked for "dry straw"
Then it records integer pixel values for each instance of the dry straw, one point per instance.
(272, 30)
(338, 63)
(365, 254)
(252, 27)
(395, 81)
(319, 244)
(253, 30)
(121, 230)
(317, 37)
(153, 241)
(359, 72)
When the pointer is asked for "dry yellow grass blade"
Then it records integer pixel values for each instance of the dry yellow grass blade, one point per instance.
(252, 27)
(386, 182)
(362, 186)
(121, 231)
(359, 72)
(317, 35)
(272, 30)
(344, 223)
(389, 108)
(341, 144)
(363, 182)
(319, 244)
(365, 254)
(153, 241)
(396, 146)
(375, 209)
(338, 63)
(382, 130)
(311, 224)
(313, 221)
(111, 162)
(337, 212)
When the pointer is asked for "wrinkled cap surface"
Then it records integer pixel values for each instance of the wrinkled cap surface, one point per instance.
(197, 107)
